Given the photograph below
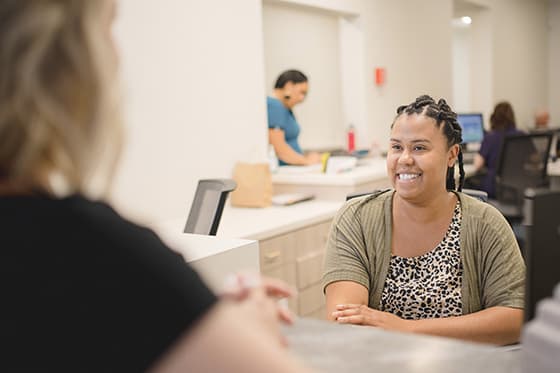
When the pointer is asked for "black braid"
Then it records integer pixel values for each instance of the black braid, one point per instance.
(442, 114)
(461, 170)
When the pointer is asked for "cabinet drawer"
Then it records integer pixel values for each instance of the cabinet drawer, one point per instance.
(312, 239)
(309, 269)
(311, 299)
(286, 273)
(277, 251)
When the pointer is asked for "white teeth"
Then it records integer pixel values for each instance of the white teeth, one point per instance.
(407, 176)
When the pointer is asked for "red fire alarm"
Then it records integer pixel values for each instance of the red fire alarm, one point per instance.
(379, 76)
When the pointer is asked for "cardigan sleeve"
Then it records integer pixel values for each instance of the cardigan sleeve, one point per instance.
(502, 269)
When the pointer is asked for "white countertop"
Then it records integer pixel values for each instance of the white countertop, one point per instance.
(261, 223)
(195, 246)
(214, 258)
(367, 170)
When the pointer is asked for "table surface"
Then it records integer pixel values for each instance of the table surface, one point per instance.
(368, 170)
(330, 347)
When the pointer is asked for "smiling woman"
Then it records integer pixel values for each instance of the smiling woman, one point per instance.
(424, 257)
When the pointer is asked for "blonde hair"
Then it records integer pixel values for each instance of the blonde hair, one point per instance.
(58, 100)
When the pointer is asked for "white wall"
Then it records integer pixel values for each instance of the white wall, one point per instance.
(461, 69)
(473, 59)
(301, 38)
(482, 63)
(508, 42)
(554, 63)
(194, 88)
(412, 40)
(520, 56)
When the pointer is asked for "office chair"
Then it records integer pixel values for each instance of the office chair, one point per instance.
(522, 164)
(208, 205)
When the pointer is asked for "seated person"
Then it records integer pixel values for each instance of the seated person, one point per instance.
(541, 120)
(502, 123)
(283, 129)
(83, 289)
(424, 258)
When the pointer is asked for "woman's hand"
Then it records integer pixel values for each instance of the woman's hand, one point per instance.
(360, 314)
(313, 158)
(243, 287)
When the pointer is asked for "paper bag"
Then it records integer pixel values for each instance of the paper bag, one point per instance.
(254, 185)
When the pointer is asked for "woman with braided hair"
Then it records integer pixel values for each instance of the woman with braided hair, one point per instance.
(424, 257)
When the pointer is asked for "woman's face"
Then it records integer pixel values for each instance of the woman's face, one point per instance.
(418, 157)
(296, 93)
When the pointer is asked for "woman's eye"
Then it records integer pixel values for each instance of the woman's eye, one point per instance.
(419, 148)
(396, 147)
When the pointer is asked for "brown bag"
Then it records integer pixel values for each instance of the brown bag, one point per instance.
(254, 185)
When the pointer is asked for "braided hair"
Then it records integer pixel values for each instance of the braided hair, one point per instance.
(442, 114)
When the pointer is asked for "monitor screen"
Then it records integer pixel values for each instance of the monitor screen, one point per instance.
(541, 251)
(207, 211)
(472, 126)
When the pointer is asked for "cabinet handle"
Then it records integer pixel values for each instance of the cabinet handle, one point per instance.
(273, 255)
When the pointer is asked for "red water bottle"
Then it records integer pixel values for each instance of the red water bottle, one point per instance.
(351, 139)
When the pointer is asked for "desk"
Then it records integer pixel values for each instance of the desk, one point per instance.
(330, 347)
(214, 258)
(553, 171)
(292, 242)
(369, 175)
(291, 245)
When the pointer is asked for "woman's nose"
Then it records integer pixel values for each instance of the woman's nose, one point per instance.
(405, 157)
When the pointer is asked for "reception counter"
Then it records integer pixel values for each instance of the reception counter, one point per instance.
(370, 174)
(214, 258)
(330, 347)
(291, 245)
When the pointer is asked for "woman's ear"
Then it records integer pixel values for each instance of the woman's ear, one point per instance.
(288, 87)
(452, 155)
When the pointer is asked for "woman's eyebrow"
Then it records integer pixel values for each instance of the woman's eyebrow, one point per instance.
(412, 141)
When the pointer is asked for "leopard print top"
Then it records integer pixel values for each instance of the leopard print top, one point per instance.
(427, 286)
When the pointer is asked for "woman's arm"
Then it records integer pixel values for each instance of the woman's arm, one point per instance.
(285, 151)
(347, 304)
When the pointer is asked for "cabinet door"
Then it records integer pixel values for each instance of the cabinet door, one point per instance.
(309, 269)
(312, 239)
(287, 273)
(311, 300)
(277, 251)
(277, 260)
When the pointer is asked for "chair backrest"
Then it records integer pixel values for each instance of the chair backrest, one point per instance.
(479, 194)
(522, 164)
(542, 252)
(360, 194)
(208, 205)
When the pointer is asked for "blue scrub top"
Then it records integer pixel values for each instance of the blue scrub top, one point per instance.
(281, 117)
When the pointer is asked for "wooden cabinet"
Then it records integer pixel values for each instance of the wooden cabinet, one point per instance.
(297, 257)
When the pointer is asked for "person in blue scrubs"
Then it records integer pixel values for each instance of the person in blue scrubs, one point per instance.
(283, 129)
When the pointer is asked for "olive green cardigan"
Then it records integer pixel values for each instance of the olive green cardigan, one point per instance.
(359, 250)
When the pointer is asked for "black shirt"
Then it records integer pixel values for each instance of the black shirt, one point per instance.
(84, 290)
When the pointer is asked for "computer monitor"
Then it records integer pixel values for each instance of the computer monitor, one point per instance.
(207, 206)
(542, 251)
(473, 127)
